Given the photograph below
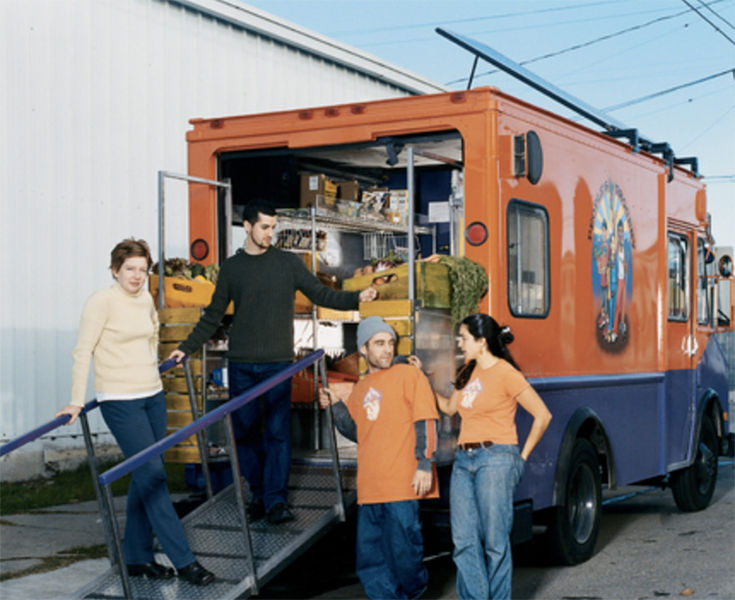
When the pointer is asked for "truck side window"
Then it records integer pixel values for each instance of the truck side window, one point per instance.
(678, 277)
(528, 259)
(706, 286)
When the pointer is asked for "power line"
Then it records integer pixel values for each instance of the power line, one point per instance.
(706, 129)
(474, 19)
(523, 27)
(718, 15)
(669, 90)
(717, 29)
(660, 109)
(581, 45)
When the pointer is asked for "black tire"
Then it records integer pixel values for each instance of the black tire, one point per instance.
(573, 527)
(693, 487)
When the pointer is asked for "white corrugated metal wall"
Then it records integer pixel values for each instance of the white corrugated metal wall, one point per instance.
(96, 98)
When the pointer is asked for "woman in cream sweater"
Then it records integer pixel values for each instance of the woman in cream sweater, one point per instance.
(119, 331)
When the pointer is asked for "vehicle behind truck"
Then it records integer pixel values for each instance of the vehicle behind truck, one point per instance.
(598, 256)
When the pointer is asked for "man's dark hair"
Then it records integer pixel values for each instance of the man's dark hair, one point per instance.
(257, 207)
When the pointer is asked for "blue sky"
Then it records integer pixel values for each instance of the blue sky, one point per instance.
(629, 49)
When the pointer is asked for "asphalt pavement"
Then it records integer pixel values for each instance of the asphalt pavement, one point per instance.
(647, 549)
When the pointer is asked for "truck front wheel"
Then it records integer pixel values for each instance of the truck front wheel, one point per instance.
(574, 526)
(693, 486)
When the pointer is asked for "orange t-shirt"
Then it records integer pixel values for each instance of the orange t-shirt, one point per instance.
(385, 405)
(487, 404)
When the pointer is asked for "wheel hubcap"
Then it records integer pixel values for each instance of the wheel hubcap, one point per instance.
(582, 503)
(706, 467)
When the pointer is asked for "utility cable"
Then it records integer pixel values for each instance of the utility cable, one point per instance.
(580, 45)
(668, 91)
(718, 15)
(717, 29)
(706, 129)
(474, 19)
(522, 27)
(659, 109)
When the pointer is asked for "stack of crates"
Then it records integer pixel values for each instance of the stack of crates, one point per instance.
(393, 305)
(176, 325)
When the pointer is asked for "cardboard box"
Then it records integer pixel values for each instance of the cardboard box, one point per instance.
(317, 190)
(349, 190)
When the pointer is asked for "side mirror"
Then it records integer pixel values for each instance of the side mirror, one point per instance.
(725, 294)
(724, 265)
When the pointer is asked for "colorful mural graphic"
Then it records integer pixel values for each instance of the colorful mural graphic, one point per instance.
(612, 266)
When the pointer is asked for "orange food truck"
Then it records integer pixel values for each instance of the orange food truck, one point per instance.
(598, 255)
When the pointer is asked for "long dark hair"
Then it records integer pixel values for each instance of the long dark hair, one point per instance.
(484, 326)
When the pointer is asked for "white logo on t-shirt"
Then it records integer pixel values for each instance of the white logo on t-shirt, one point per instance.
(470, 392)
(371, 403)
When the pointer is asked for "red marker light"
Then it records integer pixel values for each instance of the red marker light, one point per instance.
(476, 233)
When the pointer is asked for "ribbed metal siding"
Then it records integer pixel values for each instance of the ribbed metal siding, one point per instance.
(96, 97)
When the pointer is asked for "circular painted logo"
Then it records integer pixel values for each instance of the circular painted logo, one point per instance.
(612, 266)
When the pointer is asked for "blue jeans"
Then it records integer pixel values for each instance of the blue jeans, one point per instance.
(137, 424)
(263, 431)
(390, 550)
(481, 506)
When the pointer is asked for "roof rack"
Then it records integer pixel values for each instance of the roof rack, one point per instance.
(610, 126)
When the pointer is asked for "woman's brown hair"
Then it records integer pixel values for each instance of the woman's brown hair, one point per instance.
(127, 248)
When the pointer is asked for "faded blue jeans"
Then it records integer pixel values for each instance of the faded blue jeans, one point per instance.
(481, 506)
(390, 550)
(137, 424)
(263, 431)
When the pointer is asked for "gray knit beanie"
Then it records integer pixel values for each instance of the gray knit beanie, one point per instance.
(369, 327)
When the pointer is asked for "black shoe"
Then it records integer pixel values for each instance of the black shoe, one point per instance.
(196, 574)
(152, 570)
(256, 510)
(279, 513)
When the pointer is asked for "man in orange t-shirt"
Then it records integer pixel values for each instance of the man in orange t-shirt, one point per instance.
(391, 414)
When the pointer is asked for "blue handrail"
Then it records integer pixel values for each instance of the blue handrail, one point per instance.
(208, 419)
(36, 433)
(45, 428)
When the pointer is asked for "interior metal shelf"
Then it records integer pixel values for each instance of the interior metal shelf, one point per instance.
(301, 218)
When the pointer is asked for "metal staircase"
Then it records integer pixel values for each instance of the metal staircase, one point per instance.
(214, 531)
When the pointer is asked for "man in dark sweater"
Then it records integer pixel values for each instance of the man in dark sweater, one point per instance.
(262, 281)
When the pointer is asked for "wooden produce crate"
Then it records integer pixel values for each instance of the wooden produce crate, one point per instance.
(176, 324)
(301, 304)
(432, 284)
(180, 292)
(397, 313)
(332, 314)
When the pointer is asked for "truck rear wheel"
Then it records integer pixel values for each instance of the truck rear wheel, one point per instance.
(693, 486)
(574, 526)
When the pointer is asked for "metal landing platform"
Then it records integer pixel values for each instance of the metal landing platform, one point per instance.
(215, 533)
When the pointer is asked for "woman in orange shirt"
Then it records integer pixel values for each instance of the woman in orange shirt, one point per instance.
(488, 464)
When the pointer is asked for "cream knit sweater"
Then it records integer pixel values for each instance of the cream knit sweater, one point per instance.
(120, 331)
